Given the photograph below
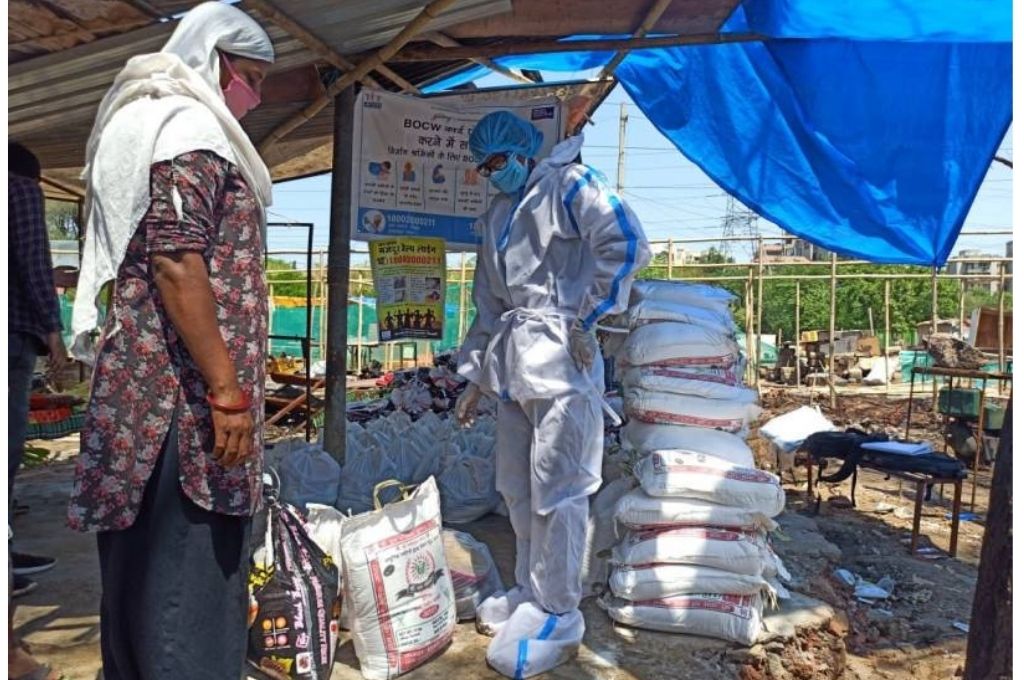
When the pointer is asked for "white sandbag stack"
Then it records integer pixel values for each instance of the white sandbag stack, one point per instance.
(695, 557)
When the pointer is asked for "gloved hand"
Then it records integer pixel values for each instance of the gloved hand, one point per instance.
(582, 346)
(465, 405)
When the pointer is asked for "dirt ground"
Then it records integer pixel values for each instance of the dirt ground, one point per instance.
(824, 633)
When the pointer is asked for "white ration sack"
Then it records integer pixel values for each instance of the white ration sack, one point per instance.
(740, 552)
(679, 292)
(646, 437)
(679, 344)
(397, 581)
(658, 581)
(636, 510)
(683, 474)
(677, 409)
(717, 319)
(686, 382)
(324, 525)
(474, 575)
(736, 618)
(309, 475)
(601, 535)
(789, 430)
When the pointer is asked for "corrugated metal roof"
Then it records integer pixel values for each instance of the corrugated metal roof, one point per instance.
(63, 55)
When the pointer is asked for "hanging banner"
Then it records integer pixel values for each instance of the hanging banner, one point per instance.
(410, 277)
(413, 174)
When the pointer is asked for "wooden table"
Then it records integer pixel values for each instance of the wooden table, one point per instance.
(920, 480)
(949, 374)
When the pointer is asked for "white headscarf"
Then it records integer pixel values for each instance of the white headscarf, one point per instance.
(160, 106)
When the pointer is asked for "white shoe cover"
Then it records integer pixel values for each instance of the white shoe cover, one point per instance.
(534, 642)
(493, 612)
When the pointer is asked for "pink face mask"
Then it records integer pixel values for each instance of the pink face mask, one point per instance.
(238, 95)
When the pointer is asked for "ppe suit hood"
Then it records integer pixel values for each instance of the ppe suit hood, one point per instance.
(565, 153)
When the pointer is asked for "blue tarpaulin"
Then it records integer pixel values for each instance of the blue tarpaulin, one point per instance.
(864, 127)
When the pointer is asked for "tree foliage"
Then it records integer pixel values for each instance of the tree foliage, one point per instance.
(62, 220)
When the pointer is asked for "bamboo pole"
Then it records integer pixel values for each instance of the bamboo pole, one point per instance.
(443, 40)
(322, 49)
(500, 49)
(799, 345)
(888, 338)
(653, 14)
(412, 29)
(832, 334)
(871, 321)
(323, 308)
(671, 258)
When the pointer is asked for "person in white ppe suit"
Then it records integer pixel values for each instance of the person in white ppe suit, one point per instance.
(559, 252)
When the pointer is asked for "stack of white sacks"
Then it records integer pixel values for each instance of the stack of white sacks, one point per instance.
(694, 555)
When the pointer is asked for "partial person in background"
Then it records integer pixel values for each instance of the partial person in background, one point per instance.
(33, 330)
(559, 252)
(170, 468)
(33, 323)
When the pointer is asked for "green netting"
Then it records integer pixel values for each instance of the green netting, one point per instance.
(292, 321)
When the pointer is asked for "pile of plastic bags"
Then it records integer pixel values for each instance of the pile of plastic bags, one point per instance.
(692, 553)
(395, 447)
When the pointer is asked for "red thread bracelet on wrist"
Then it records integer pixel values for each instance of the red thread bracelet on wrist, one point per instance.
(240, 407)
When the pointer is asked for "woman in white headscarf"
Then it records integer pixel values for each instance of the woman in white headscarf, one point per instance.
(170, 468)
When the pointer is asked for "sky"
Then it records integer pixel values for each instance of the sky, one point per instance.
(671, 196)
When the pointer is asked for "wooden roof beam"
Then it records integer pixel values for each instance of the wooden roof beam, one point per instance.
(443, 40)
(322, 49)
(551, 46)
(412, 29)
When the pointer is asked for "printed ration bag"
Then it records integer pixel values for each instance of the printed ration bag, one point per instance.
(728, 617)
(741, 552)
(656, 581)
(683, 474)
(646, 437)
(636, 510)
(396, 579)
(678, 409)
(294, 602)
(667, 343)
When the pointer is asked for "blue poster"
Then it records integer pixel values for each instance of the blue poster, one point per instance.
(414, 174)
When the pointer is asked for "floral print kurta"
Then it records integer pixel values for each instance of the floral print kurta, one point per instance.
(144, 374)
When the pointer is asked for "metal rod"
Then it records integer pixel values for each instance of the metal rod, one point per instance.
(797, 343)
(888, 339)
(439, 38)
(412, 29)
(671, 258)
(318, 46)
(620, 175)
(307, 346)
(749, 304)
(657, 9)
(832, 335)
(935, 329)
(338, 275)
(760, 308)
(1002, 322)
(462, 297)
(500, 49)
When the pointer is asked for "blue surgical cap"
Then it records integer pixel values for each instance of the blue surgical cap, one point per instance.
(503, 132)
